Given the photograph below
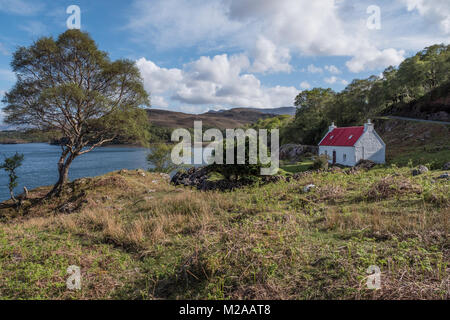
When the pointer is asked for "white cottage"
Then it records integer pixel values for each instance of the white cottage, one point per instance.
(348, 145)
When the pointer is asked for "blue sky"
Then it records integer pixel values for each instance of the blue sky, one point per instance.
(200, 55)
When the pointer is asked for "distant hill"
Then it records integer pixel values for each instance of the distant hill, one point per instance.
(277, 111)
(222, 119)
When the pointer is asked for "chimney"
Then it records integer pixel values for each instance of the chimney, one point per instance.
(368, 126)
(332, 127)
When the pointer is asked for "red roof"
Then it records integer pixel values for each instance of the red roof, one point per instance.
(345, 137)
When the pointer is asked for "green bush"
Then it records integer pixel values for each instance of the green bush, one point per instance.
(10, 165)
(320, 162)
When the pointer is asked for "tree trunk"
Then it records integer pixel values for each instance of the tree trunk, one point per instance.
(63, 170)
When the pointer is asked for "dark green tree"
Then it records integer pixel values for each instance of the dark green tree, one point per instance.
(71, 86)
(10, 165)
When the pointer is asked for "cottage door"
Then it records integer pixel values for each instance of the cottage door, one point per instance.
(334, 156)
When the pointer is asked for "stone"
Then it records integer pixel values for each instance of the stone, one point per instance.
(294, 152)
(446, 166)
(444, 176)
(308, 187)
(419, 170)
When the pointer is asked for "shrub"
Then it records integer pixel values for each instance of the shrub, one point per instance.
(320, 162)
(10, 165)
(159, 158)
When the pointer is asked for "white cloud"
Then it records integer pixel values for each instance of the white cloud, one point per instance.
(332, 69)
(21, 7)
(305, 85)
(3, 50)
(330, 80)
(313, 69)
(220, 80)
(158, 80)
(435, 11)
(269, 58)
(375, 59)
(300, 27)
(175, 23)
(334, 79)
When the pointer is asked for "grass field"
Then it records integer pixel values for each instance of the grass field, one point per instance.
(138, 237)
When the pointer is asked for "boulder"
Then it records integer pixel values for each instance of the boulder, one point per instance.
(419, 170)
(308, 187)
(444, 176)
(294, 152)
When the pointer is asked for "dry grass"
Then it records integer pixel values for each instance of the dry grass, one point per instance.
(136, 236)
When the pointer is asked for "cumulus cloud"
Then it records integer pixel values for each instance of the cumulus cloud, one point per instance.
(305, 85)
(220, 80)
(332, 69)
(334, 79)
(313, 69)
(375, 59)
(435, 11)
(175, 23)
(270, 58)
(270, 32)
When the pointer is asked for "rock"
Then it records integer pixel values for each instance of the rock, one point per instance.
(308, 187)
(150, 190)
(198, 178)
(165, 176)
(294, 152)
(335, 169)
(299, 175)
(140, 172)
(419, 170)
(446, 166)
(364, 164)
(275, 178)
(444, 176)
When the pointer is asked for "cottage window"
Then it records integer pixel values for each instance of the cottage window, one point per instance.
(345, 157)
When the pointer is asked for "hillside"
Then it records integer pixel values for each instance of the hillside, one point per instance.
(232, 118)
(435, 105)
(274, 111)
(135, 236)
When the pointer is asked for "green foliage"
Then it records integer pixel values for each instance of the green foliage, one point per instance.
(237, 170)
(159, 134)
(10, 165)
(71, 86)
(271, 123)
(297, 167)
(160, 158)
(29, 135)
(309, 122)
(427, 71)
(320, 162)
